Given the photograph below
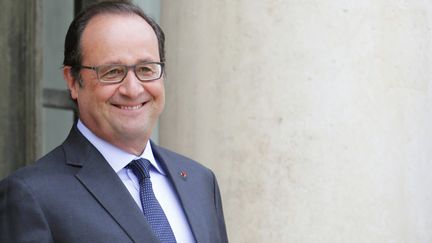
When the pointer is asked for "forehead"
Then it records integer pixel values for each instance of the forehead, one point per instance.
(119, 36)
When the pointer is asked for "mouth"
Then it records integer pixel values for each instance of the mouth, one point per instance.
(130, 107)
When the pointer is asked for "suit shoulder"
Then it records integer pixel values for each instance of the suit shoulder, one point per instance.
(169, 155)
(42, 167)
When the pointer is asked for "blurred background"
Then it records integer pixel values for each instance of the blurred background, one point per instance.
(314, 115)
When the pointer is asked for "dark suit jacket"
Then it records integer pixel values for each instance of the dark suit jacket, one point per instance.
(73, 195)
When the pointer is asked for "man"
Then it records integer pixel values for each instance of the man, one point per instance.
(107, 182)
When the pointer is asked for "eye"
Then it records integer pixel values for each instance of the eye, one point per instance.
(110, 72)
(145, 70)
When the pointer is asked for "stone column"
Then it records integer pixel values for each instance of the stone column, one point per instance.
(20, 79)
(315, 115)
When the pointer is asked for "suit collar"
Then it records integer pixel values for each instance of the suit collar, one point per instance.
(100, 180)
(182, 176)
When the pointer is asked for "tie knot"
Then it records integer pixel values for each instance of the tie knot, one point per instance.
(141, 168)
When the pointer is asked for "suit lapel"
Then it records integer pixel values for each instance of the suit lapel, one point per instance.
(106, 187)
(183, 184)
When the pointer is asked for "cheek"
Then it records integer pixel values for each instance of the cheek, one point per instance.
(102, 92)
(156, 89)
(85, 101)
(92, 95)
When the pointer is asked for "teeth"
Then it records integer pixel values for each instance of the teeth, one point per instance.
(130, 107)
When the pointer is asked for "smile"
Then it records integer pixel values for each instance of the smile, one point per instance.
(136, 107)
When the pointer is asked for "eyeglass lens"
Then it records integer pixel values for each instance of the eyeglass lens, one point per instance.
(116, 73)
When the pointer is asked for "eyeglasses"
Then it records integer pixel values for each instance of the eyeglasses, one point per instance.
(115, 73)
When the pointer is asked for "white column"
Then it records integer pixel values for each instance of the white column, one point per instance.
(315, 115)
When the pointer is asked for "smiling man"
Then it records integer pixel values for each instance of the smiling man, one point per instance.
(108, 182)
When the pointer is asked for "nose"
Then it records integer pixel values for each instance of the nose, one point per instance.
(131, 86)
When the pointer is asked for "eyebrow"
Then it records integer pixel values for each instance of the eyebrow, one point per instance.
(147, 60)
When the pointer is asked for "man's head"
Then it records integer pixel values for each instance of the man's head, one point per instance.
(116, 33)
(72, 48)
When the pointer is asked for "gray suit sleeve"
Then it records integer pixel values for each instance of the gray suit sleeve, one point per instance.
(21, 217)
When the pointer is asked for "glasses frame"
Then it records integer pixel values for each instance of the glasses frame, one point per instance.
(129, 67)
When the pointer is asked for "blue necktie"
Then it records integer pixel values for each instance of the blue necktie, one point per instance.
(150, 205)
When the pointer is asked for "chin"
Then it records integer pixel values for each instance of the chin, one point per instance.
(135, 133)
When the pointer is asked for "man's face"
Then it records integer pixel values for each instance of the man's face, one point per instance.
(123, 114)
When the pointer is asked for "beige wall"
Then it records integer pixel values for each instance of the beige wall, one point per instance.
(315, 115)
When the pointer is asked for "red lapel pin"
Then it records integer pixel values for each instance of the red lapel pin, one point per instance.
(183, 174)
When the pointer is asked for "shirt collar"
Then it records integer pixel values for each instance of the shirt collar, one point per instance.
(116, 157)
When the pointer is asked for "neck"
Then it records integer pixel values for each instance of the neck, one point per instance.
(133, 147)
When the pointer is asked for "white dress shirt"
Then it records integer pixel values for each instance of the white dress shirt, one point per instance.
(164, 191)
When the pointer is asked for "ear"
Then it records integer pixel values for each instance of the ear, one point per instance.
(71, 82)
